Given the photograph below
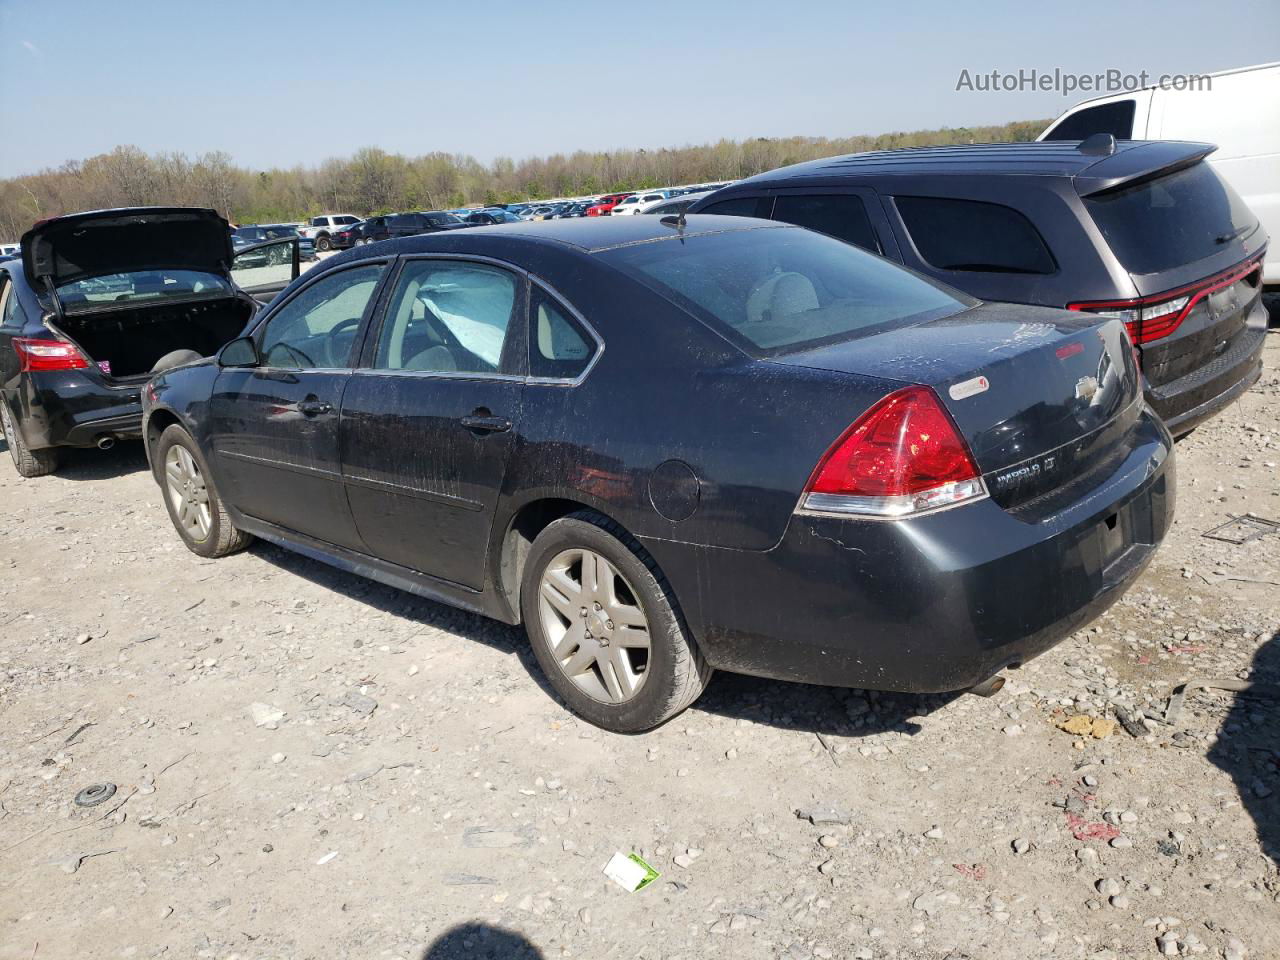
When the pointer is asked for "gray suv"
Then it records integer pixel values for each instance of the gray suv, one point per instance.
(1143, 231)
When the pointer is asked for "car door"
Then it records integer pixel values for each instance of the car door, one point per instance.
(274, 428)
(429, 422)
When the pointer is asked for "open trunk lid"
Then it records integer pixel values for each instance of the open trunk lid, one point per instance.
(100, 243)
(1043, 397)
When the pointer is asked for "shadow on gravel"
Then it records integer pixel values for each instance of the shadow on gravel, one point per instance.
(428, 613)
(1248, 748)
(126, 457)
(481, 941)
(789, 706)
(837, 711)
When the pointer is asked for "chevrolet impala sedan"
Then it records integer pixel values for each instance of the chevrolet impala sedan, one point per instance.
(668, 446)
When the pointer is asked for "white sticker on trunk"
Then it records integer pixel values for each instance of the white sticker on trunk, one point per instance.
(969, 388)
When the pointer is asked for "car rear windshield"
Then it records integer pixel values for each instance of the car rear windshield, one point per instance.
(775, 289)
(1171, 221)
(140, 286)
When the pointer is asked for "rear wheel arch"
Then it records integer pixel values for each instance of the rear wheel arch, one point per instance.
(523, 528)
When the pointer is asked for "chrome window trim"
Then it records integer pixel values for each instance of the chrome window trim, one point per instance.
(585, 324)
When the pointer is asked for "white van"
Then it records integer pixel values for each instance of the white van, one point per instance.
(1239, 111)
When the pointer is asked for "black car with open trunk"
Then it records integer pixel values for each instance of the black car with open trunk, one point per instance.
(1146, 232)
(101, 301)
(671, 445)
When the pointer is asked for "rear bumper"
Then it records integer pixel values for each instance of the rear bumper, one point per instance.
(934, 604)
(69, 409)
(1187, 402)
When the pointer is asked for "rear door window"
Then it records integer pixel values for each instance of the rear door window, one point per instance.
(1115, 118)
(448, 316)
(973, 236)
(1172, 220)
(843, 216)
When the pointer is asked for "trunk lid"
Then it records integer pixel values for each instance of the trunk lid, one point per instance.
(100, 243)
(1043, 397)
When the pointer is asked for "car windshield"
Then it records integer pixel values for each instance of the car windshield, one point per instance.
(780, 288)
(141, 285)
(1172, 220)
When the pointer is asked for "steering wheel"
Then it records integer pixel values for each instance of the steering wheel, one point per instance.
(336, 355)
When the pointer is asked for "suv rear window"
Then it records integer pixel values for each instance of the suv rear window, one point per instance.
(972, 236)
(1172, 220)
(774, 289)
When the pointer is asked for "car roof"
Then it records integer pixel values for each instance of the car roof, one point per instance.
(1051, 158)
(585, 234)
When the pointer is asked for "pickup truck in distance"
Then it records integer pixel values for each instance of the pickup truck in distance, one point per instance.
(320, 229)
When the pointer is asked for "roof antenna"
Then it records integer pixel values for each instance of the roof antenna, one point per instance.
(676, 221)
(1098, 145)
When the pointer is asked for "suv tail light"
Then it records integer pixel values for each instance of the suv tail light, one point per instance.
(48, 355)
(1157, 316)
(904, 456)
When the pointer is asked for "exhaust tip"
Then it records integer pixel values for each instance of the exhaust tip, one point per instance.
(987, 688)
(106, 442)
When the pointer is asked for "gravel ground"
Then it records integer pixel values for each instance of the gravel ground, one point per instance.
(311, 765)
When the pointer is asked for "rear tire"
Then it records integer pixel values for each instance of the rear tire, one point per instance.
(584, 654)
(196, 510)
(29, 463)
(322, 244)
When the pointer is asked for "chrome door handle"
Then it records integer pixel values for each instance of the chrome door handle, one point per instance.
(486, 424)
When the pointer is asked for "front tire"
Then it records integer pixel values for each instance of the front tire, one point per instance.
(323, 245)
(196, 510)
(29, 463)
(605, 626)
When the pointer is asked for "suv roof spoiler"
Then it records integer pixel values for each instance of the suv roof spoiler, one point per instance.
(1140, 162)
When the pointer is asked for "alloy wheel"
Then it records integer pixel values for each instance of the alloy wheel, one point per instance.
(596, 630)
(188, 494)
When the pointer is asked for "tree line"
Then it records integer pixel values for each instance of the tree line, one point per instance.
(373, 181)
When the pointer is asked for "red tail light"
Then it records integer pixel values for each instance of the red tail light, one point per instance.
(1157, 316)
(48, 355)
(904, 456)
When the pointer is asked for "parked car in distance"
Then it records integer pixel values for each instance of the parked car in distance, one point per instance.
(571, 210)
(1228, 111)
(920, 491)
(629, 205)
(10, 249)
(398, 225)
(491, 215)
(345, 237)
(673, 205)
(604, 206)
(1143, 231)
(254, 233)
(134, 291)
(321, 229)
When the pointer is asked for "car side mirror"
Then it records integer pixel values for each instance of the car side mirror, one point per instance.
(241, 352)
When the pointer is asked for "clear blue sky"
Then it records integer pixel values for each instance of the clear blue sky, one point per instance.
(281, 83)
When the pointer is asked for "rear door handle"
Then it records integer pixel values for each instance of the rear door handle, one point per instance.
(313, 408)
(486, 424)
